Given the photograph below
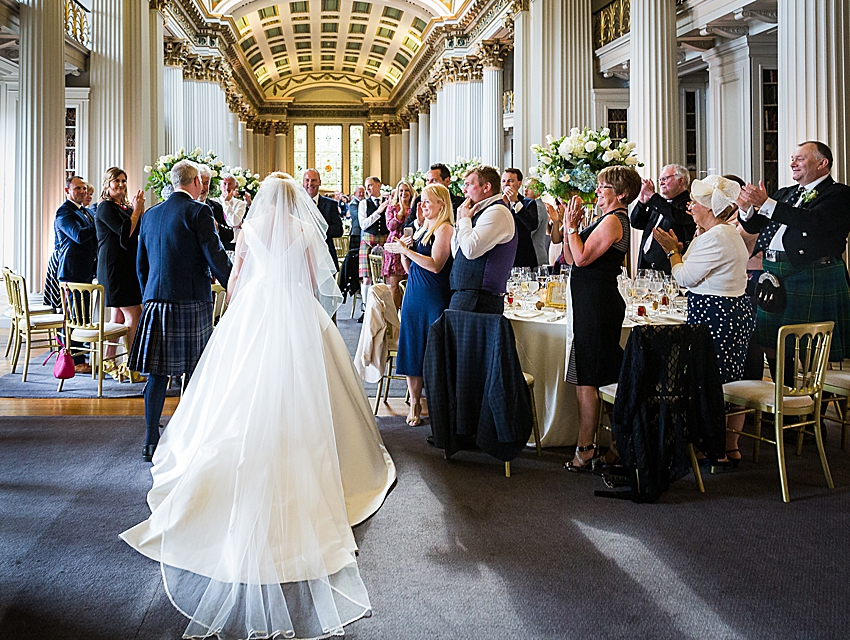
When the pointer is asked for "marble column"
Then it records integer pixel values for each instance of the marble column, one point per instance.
(281, 136)
(413, 164)
(654, 85)
(395, 173)
(436, 139)
(120, 80)
(572, 77)
(537, 70)
(244, 157)
(814, 80)
(492, 130)
(233, 152)
(250, 159)
(424, 132)
(405, 149)
(156, 99)
(40, 135)
(475, 97)
(375, 128)
(523, 84)
(175, 134)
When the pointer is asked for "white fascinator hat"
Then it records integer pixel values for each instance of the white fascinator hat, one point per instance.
(715, 193)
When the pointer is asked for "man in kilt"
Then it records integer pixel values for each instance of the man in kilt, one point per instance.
(803, 232)
(178, 247)
(373, 230)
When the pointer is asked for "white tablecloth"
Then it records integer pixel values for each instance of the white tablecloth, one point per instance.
(541, 345)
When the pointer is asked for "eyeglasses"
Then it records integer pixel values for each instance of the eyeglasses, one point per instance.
(663, 179)
(604, 186)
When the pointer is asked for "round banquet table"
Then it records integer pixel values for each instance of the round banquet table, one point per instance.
(541, 344)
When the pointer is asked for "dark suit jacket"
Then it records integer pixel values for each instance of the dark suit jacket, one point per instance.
(674, 216)
(526, 221)
(178, 246)
(75, 243)
(225, 231)
(411, 217)
(817, 229)
(353, 211)
(329, 209)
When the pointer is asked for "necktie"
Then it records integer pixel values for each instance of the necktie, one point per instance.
(794, 200)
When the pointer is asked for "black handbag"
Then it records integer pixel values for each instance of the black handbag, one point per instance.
(770, 294)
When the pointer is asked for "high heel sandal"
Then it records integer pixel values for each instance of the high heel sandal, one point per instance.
(416, 419)
(581, 465)
(734, 461)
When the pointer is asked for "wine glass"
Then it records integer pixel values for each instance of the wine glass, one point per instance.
(532, 287)
(655, 287)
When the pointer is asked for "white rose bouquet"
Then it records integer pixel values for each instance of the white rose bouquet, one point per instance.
(572, 162)
(159, 175)
(458, 170)
(247, 181)
(416, 180)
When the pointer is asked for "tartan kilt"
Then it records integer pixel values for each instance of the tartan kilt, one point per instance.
(367, 241)
(171, 337)
(814, 293)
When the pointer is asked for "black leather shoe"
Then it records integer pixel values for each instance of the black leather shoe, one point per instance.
(149, 451)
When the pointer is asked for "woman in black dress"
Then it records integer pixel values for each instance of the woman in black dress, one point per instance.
(596, 255)
(117, 222)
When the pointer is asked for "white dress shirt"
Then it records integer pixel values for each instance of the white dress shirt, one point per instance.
(494, 226)
(234, 211)
(366, 220)
(768, 208)
(715, 263)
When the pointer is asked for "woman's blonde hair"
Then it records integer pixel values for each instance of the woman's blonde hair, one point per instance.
(436, 193)
(111, 174)
(397, 200)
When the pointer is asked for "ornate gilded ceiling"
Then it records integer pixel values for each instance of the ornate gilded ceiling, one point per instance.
(353, 51)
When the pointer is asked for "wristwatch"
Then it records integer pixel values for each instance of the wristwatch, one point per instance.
(571, 231)
(671, 252)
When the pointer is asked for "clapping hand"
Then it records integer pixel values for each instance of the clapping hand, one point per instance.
(752, 195)
(667, 239)
(139, 201)
(575, 212)
(420, 215)
(647, 190)
(510, 194)
(407, 241)
(556, 215)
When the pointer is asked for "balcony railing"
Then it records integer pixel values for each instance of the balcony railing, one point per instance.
(77, 23)
(613, 21)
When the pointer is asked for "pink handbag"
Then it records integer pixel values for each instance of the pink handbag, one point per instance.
(63, 368)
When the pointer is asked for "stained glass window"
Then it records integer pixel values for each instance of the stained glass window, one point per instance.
(355, 153)
(329, 155)
(300, 155)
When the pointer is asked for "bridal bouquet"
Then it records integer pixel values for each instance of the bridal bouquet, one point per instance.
(160, 174)
(572, 162)
(248, 182)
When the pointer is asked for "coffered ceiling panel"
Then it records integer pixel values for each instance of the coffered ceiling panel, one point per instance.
(364, 47)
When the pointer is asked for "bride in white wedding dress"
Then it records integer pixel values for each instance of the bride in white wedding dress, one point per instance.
(273, 453)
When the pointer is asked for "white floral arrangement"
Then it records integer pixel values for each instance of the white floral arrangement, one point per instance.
(160, 174)
(248, 182)
(416, 180)
(458, 171)
(571, 163)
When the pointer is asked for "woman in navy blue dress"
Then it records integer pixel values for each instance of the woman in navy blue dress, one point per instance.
(427, 256)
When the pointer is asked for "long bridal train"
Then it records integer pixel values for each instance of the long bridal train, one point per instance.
(270, 458)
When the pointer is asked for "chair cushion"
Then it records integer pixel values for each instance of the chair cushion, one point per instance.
(46, 319)
(760, 392)
(608, 392)
(41, 308)
(110, 330)
(838, 380)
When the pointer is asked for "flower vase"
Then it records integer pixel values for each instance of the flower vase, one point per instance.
(588, 199)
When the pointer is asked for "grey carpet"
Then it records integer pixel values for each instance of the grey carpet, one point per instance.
(457, 551)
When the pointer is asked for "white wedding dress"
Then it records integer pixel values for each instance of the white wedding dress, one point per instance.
(273, 453)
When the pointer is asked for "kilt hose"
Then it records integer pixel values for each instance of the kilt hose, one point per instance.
(814, 293)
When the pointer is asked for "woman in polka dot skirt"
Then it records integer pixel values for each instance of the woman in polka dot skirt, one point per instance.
(714, 269)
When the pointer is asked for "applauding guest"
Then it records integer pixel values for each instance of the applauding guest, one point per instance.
(373, 229)
(714, 269)
(525, 217)
(117, 223)
(427, 256)
(234, 209)
(596, 254)
(393, 270)
(311, 181)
